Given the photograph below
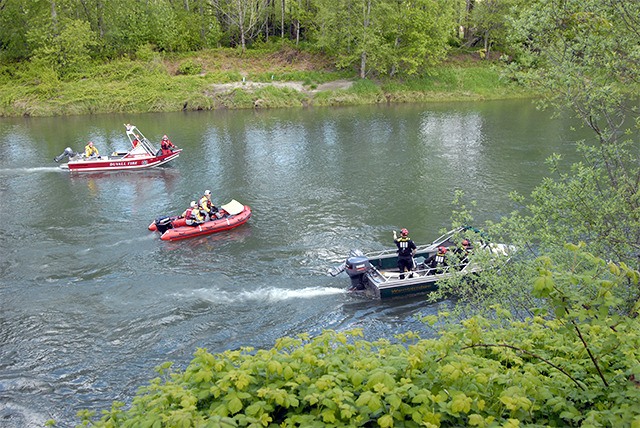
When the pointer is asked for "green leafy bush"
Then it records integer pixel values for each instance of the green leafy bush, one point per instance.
(189, 68)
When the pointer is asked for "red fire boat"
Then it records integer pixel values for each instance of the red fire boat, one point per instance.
(143, 155)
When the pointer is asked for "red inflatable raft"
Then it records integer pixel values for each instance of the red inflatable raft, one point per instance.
(234, 214)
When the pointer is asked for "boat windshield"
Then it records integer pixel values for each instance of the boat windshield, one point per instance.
(140, 143)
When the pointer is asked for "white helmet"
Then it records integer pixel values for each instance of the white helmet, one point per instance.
(193, 204)
(207, 192)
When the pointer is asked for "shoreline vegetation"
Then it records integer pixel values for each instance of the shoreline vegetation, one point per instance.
(231, 79)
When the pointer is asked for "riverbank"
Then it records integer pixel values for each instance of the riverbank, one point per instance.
(227, 79)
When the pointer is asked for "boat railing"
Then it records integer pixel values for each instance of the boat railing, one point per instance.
(393, 252)
(420, 272)
(420, 248)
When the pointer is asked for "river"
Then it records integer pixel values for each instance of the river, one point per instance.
(92, 301)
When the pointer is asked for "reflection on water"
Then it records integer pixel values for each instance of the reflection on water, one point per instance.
(93, 301)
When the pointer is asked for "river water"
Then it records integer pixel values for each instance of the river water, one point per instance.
(91, 301)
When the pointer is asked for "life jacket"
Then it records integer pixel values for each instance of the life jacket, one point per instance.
(441, 256)
(91, 151)
(197, 215)
(205, 204)
(404, 249)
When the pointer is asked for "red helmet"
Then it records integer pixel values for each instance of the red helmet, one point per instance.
(465, 242)
(404, 232)
(442, 249)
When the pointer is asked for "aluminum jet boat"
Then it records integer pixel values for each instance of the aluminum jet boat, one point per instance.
(142, 155)
(376, 274)
(173, 228)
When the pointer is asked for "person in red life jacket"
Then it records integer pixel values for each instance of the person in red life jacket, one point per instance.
(193, 215)
(166, 145)
(210, 210)
(135, 141)
(406, 251)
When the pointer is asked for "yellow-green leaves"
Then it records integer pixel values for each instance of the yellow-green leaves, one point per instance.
(543, 285)
(513, 372)
(460, 403)
(514, 399)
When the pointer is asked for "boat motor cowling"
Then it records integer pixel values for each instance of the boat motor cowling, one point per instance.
(67, 153)
(357, 263)
(163, 224)
(356, 266)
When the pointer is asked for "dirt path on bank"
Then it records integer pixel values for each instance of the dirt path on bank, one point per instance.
(298, 86)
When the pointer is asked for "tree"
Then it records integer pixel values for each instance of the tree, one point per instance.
(15, 20)
(384, 36)
(63, 46)
(417, 35)
(585, 56)
(489, 21)
(245, 17)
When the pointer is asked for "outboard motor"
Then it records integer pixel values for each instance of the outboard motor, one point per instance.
(67, 153)
(163, 224)
(356, 266)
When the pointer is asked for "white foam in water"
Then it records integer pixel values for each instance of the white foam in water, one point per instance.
(27, 170)
(304, 293)
(272, 294)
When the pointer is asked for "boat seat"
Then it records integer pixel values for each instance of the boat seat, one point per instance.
(396, 275)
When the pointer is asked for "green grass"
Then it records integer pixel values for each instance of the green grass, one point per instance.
(160, 84)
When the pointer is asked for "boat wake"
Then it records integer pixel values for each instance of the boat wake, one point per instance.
(119, 243)
(27, 170)
(131, 241)
(270, 294)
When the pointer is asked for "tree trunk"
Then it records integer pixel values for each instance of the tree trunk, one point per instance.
(282, 4)
(466, 31)
(100, 11)
(54, 17)
(365, 25)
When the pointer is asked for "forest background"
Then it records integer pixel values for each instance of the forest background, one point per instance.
(95, 56)
(550, 339)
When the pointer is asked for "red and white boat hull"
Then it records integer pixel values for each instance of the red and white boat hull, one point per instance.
(129, 162)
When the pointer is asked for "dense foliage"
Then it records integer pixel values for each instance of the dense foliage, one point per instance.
(586, 55)
(376, 37)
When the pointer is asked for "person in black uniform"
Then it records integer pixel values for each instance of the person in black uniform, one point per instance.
(462, 252)
(406, 251)
(437, 261)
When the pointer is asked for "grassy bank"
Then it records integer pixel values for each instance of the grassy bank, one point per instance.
(227, 79)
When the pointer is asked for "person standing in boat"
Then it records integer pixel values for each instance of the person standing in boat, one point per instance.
(207, 206)
(406, 251)
(166, 145)
(90, 150)
(192, 215)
